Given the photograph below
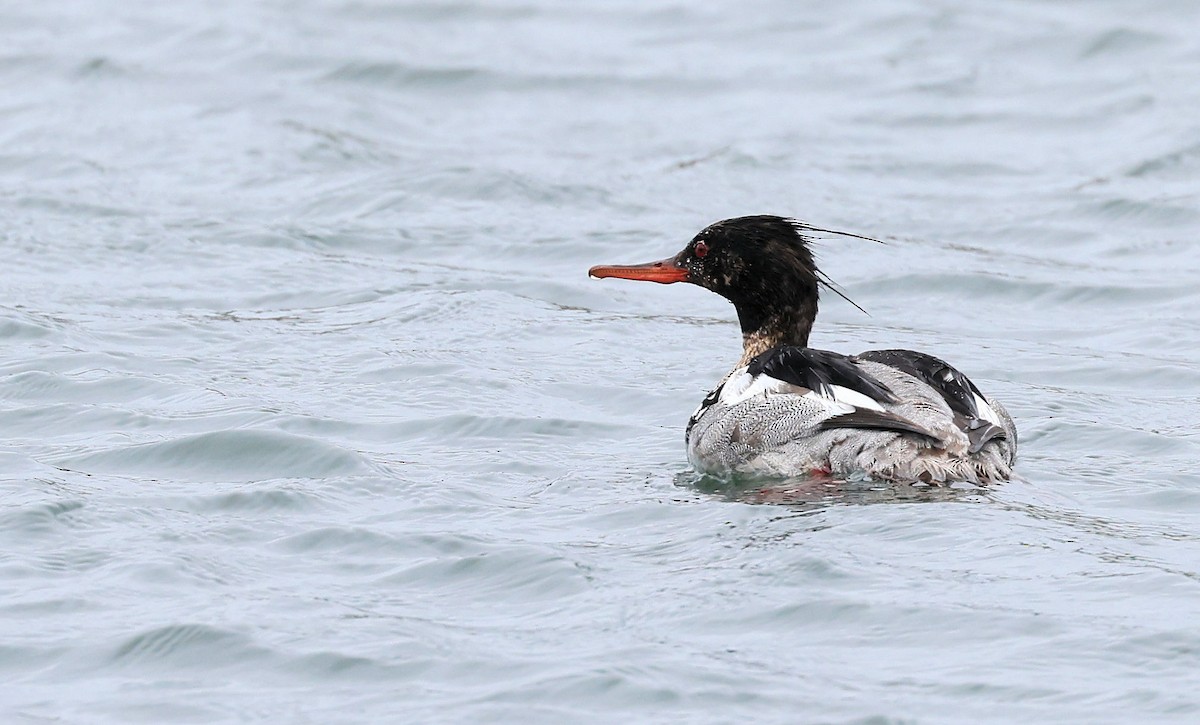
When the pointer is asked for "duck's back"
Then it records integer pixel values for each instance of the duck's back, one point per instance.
(889, 414)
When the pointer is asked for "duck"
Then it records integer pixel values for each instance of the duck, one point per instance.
(787, 409)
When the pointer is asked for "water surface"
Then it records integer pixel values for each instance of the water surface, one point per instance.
(310, 413)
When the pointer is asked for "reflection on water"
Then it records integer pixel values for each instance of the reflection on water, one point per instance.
(816, 492)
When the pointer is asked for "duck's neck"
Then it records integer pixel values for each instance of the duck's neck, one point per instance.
(782, 326)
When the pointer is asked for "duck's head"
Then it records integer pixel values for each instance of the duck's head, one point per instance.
(762, 264)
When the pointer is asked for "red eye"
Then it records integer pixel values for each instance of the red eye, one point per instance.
(700, 250)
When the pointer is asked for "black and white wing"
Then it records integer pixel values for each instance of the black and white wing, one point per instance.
(851, 397)
(973, 413)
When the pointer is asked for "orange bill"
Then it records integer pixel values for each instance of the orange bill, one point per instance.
(664, 271)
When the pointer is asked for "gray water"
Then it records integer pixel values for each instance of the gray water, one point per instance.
(310, 414)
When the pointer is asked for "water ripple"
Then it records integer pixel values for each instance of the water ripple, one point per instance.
(188, 646)
(310, 413)
(249, 455)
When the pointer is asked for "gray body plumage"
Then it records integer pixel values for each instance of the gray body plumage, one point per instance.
(781, 431)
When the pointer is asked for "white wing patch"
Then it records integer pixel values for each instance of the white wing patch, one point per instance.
(986, 411)
(853, 398)
(742, 386)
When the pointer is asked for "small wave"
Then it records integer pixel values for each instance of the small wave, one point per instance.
(14, 327)
(1162, 212)
(273, 498)
(38, 517)
(1121, 42)
(455, 79)
(459, 426)
(93, 386)
(1017, 290)
(101, 67)
(520, 573)
(344, 540)
(187, 645)
(401, 74)
(1181, 164)
(243, 455)
(319, 665)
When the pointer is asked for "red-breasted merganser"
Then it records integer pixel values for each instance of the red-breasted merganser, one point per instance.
(787, 409)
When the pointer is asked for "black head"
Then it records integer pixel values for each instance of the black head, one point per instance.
(759, 263)
(762, 264)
